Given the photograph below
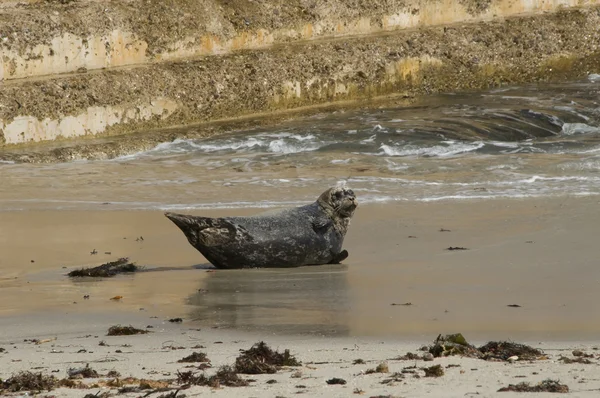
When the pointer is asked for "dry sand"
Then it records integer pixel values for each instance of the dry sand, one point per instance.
(539, 254)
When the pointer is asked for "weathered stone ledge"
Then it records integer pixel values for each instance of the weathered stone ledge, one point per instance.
(548, 47)
(50, 38)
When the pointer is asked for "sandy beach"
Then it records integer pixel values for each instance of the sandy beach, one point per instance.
(529, 276)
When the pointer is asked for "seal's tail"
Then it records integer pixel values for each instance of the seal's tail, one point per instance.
(187, 224)
(181, 220)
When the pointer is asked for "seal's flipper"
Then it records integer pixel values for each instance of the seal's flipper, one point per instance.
(321, 224)
(338, 258)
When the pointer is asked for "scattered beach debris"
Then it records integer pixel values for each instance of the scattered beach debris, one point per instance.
(444, 230)
(336, 380)
(504, 350)
(119, 330)
(172, 394)
(93, 252)
(99, 394)
(545, 386)
(456, 344)
(405, 304)
(580, 359)
(271, 381)
(175, 320)
(261, 359)
(297, 374)
(394, 377)
(116, 298)
(225, 376)
(412, 237)
(358, 391)
(133, 384)
(427, 356)
(579, 353)
(106, 270)
(409, 356)
(358, 361)
(29, 381)
(384, 396)
(453, 344)
(456, 248)
(195, 357)
(433, 371)
(381, 368)
(39, 341)
(514, 306)
(82, 373)
(113, 373)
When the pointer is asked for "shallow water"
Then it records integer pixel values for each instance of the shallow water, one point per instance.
(513, 142)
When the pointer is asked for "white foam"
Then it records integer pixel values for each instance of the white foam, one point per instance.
(281, 146)
(579, 128)
(572, 110)
(341, 161)
(593, 77)
(450, 149)
(505, 144)
(369, 140)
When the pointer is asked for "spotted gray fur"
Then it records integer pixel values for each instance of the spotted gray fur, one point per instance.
(306, 235)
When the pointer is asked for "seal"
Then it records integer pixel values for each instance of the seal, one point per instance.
(308, 235)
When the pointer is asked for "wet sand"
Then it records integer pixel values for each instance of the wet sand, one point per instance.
(537, 253)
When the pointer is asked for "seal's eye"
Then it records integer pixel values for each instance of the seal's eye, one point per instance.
(338, 194)
(350, 192)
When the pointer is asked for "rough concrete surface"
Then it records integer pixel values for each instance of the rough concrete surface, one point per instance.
(116, 101)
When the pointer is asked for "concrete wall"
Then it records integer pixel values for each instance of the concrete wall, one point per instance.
(87, 68)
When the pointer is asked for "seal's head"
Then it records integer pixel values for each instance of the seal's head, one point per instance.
(339, 200)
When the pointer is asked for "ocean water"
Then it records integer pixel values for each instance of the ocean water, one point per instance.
(515, 142)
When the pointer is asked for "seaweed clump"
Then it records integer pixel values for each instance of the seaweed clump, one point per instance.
(195, 357)
(434, 371)
(381, 368)
(260, 359)
(119, 330)
(225, 376)
(82, 373)
(453, 344)
(106, 270)
(29, 381)
(456, 344)
(505, 349)
(545, 386)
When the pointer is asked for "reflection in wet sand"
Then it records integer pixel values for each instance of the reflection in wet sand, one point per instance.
(301, 300)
